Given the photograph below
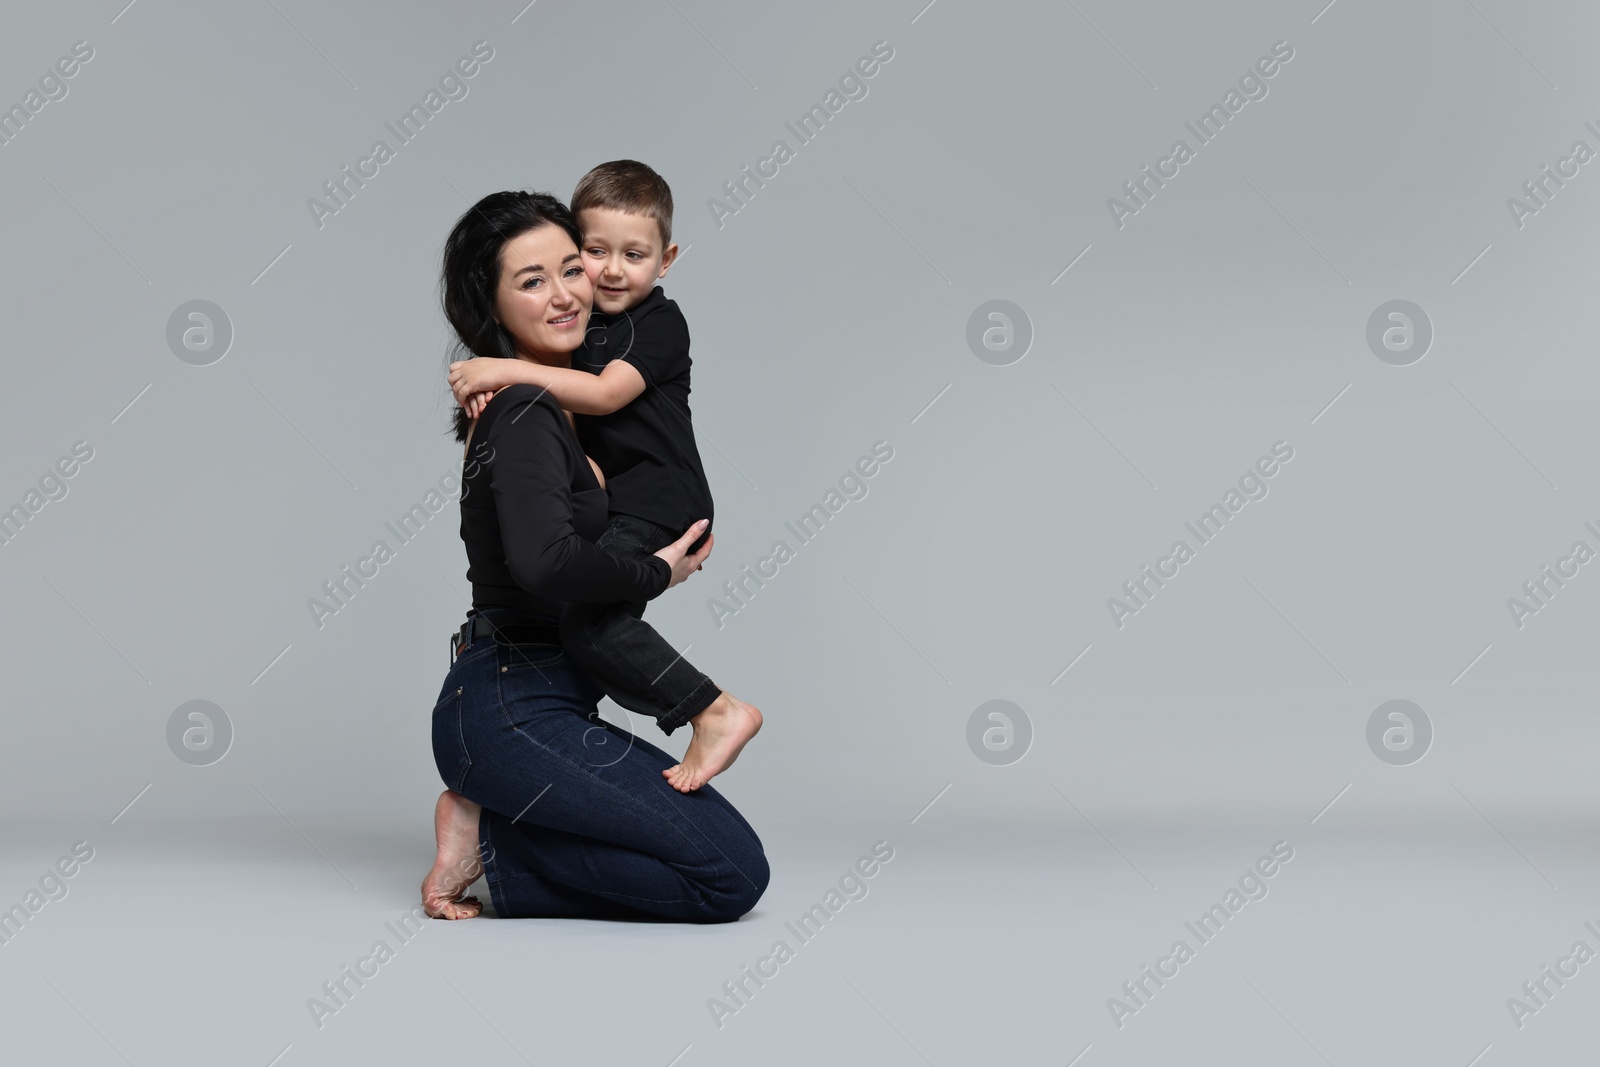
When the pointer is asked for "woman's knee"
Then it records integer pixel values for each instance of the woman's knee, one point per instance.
(745, 888)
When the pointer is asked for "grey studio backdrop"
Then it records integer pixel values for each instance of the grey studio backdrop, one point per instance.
(1154, 342)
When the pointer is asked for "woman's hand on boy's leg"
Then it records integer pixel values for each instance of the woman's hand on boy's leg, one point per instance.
(680, 559)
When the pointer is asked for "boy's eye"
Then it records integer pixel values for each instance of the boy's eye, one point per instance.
(635, 255)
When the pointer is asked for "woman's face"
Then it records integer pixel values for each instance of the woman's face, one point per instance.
(544, 296)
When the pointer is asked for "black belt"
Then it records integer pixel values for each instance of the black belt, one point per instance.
(505, 631)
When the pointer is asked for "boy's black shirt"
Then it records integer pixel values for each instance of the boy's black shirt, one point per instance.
(646, 448)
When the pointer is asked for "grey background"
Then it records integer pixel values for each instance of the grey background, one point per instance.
(1228, 314)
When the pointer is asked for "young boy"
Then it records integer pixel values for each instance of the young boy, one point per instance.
(629, 390)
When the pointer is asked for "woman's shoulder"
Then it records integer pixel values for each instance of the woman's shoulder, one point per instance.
(515, 403)
(521, 393)
(524, 417)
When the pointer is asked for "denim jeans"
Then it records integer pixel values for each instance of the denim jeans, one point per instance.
(577, 820)
(635, 666)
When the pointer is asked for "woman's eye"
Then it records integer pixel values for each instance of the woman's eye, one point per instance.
(531, 283)
(574, 271)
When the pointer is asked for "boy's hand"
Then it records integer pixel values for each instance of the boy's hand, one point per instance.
(478, 401)
(486, 376)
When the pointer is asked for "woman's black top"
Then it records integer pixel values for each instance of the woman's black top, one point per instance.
(531, 510)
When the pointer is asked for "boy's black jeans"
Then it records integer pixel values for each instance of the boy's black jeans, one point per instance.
(635, 665)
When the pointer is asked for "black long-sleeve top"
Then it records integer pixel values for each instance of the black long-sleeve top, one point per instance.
(531, 510)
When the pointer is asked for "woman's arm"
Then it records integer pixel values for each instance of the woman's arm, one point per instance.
(530, 478)
(532, 453)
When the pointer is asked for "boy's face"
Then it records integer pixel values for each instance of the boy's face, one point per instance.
(623, 257)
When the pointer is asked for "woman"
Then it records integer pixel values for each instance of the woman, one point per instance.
(561, 825)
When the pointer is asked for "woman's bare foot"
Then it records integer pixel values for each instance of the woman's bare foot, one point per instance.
(455, 828)
(720, 732)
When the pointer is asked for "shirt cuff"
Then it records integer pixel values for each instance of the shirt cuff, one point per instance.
(664, 567)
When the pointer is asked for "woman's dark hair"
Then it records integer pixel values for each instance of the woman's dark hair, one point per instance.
(470, 276)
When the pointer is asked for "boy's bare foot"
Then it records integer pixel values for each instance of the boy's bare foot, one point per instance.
(455, 828)
(720, 732)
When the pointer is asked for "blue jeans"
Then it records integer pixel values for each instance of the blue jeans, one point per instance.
(636, 666)
(577, 820)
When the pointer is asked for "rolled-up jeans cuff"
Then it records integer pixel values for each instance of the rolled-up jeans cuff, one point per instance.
(704, 695)
(491, 869)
